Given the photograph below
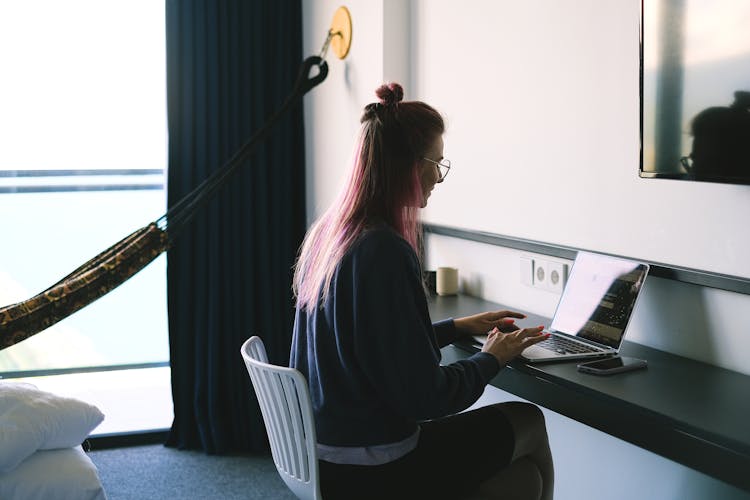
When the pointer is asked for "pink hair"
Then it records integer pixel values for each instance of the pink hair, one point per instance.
(384, 186)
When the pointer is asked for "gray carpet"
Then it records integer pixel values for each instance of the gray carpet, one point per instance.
(156, 472)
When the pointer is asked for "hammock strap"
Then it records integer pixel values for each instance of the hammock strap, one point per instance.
(184, 210)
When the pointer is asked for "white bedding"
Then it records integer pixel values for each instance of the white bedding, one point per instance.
(62, 474)
(40, 445)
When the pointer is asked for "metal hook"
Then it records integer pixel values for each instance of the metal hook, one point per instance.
(327, 43)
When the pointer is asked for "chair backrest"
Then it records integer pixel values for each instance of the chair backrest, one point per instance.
(284, 400)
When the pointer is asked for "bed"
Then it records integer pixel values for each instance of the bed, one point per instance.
(40, 445)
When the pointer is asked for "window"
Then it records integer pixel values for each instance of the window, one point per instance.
(82, 165)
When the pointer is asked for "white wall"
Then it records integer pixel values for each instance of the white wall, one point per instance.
(542, 103)
(541, 100)
(332, 110)
(379, 53)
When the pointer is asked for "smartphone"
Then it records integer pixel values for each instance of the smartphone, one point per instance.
(608, 366)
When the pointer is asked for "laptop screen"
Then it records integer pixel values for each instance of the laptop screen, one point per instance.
(599, 298)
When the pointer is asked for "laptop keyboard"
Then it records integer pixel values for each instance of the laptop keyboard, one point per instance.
(561, 345)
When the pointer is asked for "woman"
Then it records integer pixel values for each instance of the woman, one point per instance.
(385, 409)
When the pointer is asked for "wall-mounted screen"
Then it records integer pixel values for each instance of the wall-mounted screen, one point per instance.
(695, 90)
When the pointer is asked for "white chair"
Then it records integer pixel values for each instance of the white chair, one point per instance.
(284, 400)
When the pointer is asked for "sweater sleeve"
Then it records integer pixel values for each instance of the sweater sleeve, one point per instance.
(445, 332)
(396, 344)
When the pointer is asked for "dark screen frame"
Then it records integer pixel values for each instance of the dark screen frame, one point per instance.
(645, 173)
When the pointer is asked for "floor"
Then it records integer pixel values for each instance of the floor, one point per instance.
(155, 472)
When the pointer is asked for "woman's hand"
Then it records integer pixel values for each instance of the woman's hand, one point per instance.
(482, 323)
(506, 346)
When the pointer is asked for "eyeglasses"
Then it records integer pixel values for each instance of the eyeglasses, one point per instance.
(443, 166)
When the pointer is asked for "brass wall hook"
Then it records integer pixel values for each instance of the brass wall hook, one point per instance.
(339, 36)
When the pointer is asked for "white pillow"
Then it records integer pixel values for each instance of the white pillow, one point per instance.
(67, 474)
(31, 420)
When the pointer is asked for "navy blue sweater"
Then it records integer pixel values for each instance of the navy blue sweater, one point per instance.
(371, 354)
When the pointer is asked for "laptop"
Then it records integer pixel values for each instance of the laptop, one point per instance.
(594, 309)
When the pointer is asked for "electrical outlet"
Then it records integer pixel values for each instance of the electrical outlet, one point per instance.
(541, 275)
(557, 275)
(547, 274)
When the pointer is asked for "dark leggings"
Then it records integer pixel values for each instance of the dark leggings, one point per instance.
(454, 454)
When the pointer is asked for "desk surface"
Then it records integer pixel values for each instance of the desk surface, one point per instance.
(690, 412)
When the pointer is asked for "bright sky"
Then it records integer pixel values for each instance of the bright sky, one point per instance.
(83, 84)
(716, 29)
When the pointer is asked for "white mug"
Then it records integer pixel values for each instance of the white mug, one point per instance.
(446, 281)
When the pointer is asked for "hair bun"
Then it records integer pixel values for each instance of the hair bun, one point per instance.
(390, 93)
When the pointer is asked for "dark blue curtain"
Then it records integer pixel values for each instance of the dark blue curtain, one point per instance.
(230, 65)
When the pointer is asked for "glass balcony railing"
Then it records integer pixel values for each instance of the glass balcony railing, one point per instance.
(52, 224)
